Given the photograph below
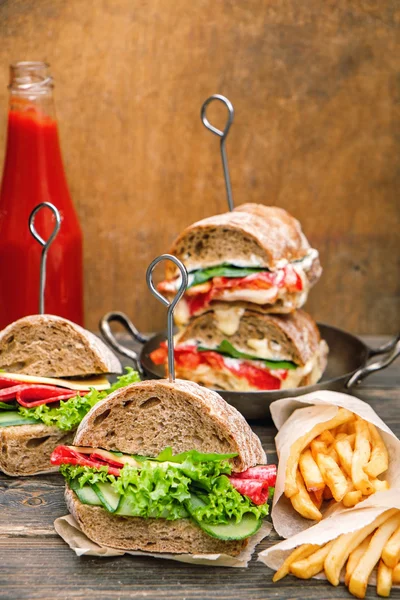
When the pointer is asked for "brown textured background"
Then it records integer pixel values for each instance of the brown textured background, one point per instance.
(316, 89)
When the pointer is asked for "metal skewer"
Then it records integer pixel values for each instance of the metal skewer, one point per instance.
(223, 135)
(171, 305)
(46, 245)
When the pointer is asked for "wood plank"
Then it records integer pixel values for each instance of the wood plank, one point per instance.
(315, 90)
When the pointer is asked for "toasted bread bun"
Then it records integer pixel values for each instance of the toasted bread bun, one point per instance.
(26, 449)
(152, 535)
(50, 346)
(296, 334)
(258, 236)
(144, 418)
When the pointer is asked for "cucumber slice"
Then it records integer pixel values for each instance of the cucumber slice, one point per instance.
(128, 508)
(10, 418)
(87, 496)
(107, 496)
(248, 526)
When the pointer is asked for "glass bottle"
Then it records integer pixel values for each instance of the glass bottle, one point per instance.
(33, 173)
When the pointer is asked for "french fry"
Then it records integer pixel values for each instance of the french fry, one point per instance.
(379, 460)
(342, 429)
(313, 564)
(354, 558)
(298, 554)
(318, 447)
(332, 476)
(317, 498)
(384, 580)
(396, 574)
(380, 485)
(302, 502)
(391, 551)
(327, 437)
(359, 579)
(333, 454)
(327, 494)
(346, 543)
(352, 498)
(310, 472)
(345, 453)
(342, 416)
(361, 456)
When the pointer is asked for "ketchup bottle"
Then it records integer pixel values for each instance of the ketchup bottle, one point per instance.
(34, 173)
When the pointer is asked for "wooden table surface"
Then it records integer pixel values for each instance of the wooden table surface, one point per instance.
(36, 563)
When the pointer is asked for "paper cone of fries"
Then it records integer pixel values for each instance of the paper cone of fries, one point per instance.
(346, 546)
(334, 453)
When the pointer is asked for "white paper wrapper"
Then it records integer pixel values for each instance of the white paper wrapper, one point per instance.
(294, 417)
(71, 533)
(333, 526)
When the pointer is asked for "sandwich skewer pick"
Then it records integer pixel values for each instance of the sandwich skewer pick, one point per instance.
(223, 135)
(169, 303)
(46, 245)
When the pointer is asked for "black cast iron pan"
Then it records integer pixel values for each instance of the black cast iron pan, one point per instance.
(348, 364)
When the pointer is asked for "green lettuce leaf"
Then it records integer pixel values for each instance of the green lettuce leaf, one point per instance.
(227, 349)
(70, 413)
(224, 270)
(8, 405)
(161, 489)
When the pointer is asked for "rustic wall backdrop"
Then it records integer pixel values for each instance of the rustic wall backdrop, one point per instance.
(316, 88)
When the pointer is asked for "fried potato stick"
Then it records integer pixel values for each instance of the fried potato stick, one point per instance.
(342, 416)
(347, 542)
(300, 552)
(312, 565)
(379, 460)
(359, 579)
(345, 453)
(310, 472)
(302, 502)
(384, 580)
(361, 456)
(333, 476)
(352, 498)
(391, 551)
(354, 558)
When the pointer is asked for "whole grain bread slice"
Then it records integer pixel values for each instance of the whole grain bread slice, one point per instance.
(50, 346)
(144, 418)
(151, 535)
(259, 236)
(26, 449)
(297, 333)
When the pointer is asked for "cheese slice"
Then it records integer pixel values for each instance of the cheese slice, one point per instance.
(99, 382)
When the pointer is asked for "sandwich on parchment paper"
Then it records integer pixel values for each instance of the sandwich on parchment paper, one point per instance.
(248, 350)
(52, 373)
(166, 467)
(255, 255)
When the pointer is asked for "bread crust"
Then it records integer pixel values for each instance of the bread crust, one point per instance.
(145, 417)
(151, 535)
(85, 344)
(26, 449)
(273, 231)
(299, 331)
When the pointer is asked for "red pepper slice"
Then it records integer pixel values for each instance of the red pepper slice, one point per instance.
(261, 473)
(64, 455)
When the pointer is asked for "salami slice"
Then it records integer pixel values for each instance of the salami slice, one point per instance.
(254, 489)
(260, 472)
(64, 455)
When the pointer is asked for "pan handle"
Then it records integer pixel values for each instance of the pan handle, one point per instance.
(125, 321)
(392, 351)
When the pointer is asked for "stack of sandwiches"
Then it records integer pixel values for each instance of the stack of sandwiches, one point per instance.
(240, 321)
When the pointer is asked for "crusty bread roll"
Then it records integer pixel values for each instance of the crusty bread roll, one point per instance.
(26, 449)
(152, 535)
(144, 418)
(259, 236)
(50, 346)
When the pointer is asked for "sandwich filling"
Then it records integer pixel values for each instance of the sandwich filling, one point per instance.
(191, 485)
(225, 367)
(26, 400)
(287, 285)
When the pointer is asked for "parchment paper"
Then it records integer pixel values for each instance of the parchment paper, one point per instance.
(330, 528)
(71, 533)
(294, 417)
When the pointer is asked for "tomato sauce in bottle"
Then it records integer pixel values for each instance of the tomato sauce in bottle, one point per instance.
(34, 173)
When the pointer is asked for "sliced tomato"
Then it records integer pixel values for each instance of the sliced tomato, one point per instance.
(187, 357)
(160, 355)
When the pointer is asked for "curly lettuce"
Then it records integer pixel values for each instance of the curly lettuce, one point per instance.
(70, 413)
(164, 488)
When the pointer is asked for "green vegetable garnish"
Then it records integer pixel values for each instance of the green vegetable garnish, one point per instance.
(224, 270)
(227, 349)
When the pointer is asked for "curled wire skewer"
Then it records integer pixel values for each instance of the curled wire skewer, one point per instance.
(171, 305)
(46, 245)
(223, 135)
